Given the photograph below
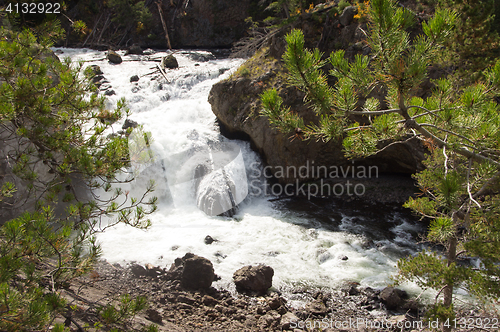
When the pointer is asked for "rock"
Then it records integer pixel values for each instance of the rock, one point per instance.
(138, 270)
(274, 302)
(412, 305)
(110, 92)
(154, 316)
(201, 57)
(114, 57)
(94, 70)
(348, 15)
(153, 271)
(134, 49)
(134, 78)
(344, 258)
(392, 297)
(254, 280)
(97, 78)
(197, 273)
(288, 319)
(209, 301)
(316, 307)
(209, 239)
(169, 62)
(129, 124)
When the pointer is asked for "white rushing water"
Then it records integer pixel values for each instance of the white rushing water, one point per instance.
(302, 250)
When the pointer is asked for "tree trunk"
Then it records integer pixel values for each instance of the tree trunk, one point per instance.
(451, 256)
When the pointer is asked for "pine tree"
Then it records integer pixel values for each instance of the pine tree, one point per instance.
(58, 131)
(460, 127)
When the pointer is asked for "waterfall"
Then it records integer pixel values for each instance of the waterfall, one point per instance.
(203, 188)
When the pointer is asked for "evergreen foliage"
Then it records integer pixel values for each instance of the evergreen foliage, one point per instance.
(55, 134)
(460, 127)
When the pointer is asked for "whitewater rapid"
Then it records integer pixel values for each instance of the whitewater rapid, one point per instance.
(304, 251)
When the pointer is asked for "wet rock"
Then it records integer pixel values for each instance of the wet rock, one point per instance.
(134, 49)
(110, 92)
(97, 78)
(153, 271)
(154, 316)
(254, 280)
(129, 124)
(275, 301)
(114, 57)
(94, 70)
(344, 258)
(138, 270)
(288, 319)
(348, 15)
(201, 57)
(169, 62)
(209, 239)
(392, 297)
(198, 272)
(134, 78)
(316, 307)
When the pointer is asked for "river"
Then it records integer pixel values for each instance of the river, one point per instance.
(309, 243)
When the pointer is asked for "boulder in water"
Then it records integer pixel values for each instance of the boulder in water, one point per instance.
(114, 57)
(169, 62)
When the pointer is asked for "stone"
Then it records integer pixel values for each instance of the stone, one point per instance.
(392, 297)
(348, 15)
(344, 258)
(316, 307)
(114, 57)
(134, 49)
(138, 270)
(198, 272)
(288, 319)
(129, 124)
(209, 301)
(134, 78)
(109, 92)
(209, 239)
(254, 280)
(154, 316)
(94, 70)
(169, 62)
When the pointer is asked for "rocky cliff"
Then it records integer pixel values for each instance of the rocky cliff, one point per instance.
(235, 102)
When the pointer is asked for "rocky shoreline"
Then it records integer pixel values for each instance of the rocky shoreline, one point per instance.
(175, 307)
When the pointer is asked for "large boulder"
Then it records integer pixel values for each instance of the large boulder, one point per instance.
(169, 62)
(236, 103)
(393, 298)
(114, 57)
(254, 280)
(194, 272)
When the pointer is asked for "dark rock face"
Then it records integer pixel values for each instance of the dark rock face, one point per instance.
(197, 273)
(169, 62)
(216, 23)
(114, 57)
(134, 78)
(254, 280)
(393, 298)
(236, 103)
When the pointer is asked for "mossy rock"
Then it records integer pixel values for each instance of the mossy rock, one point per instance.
(169, 62)
(114, 57)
